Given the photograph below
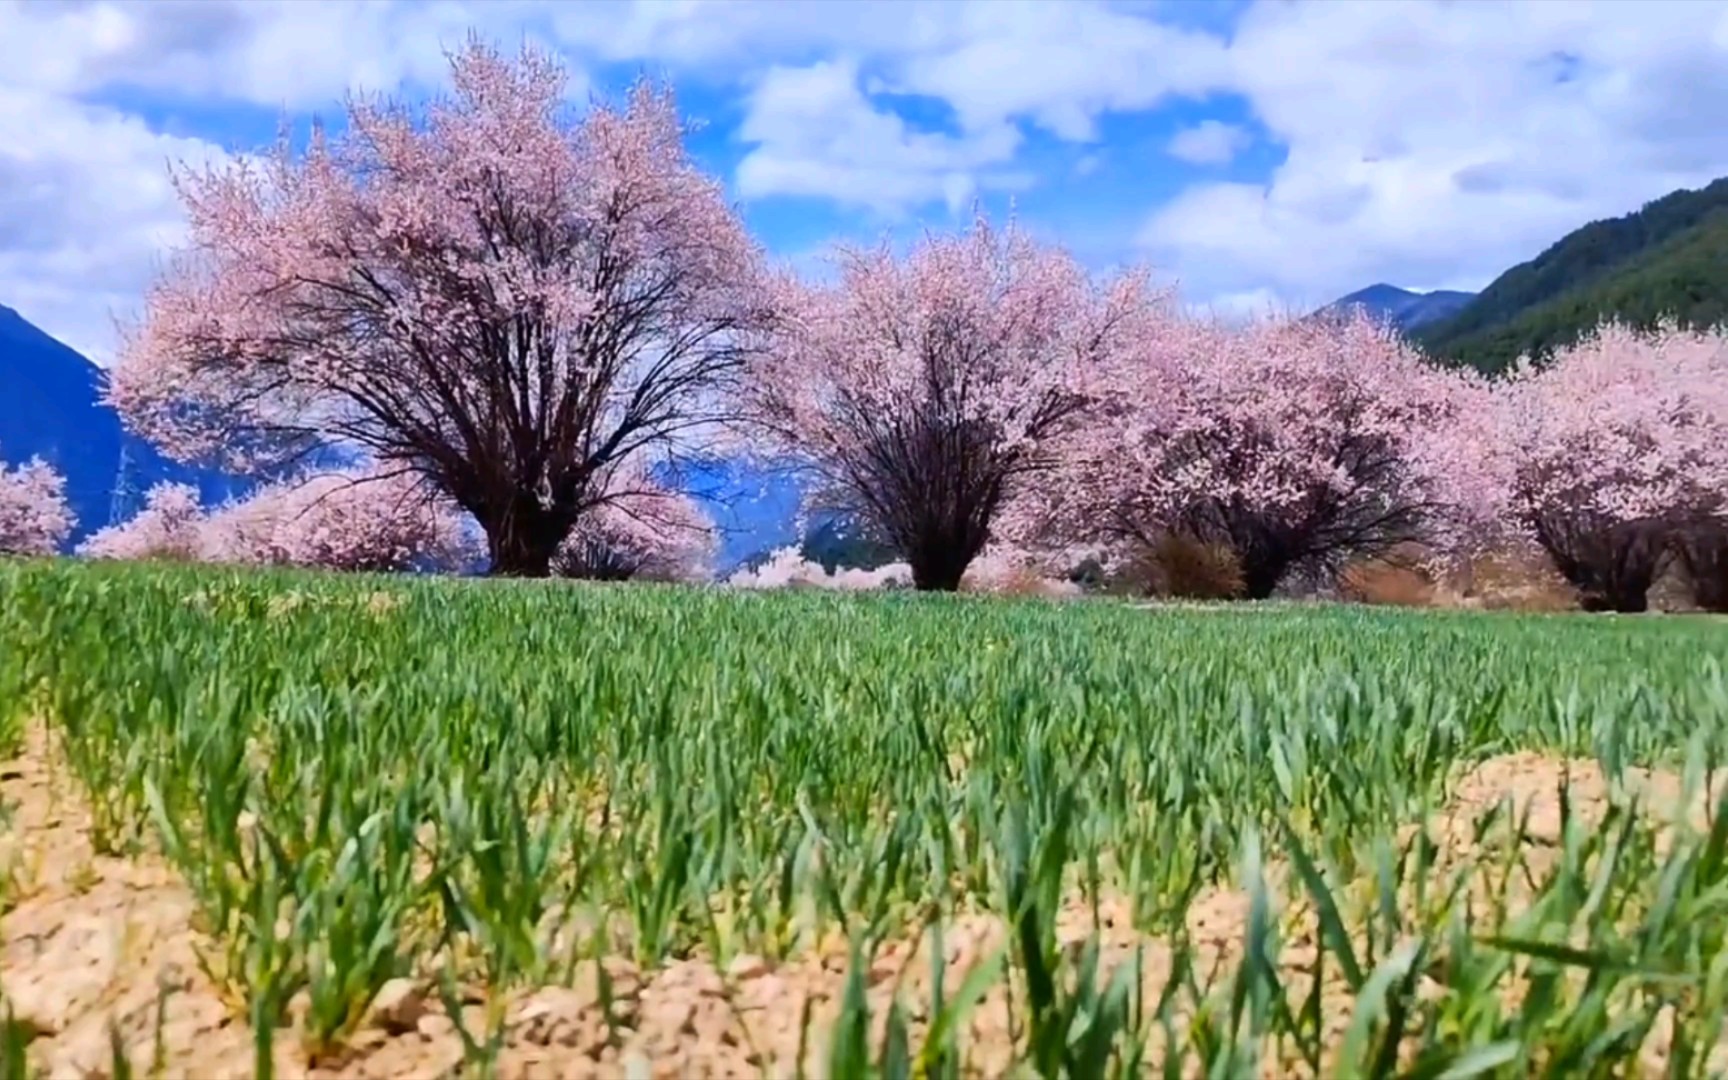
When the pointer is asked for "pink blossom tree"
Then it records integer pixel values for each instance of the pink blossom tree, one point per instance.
(643, 530)
(34, 516)
(925, 391)
(1615, 450)
(495, 295)
(1296, 444)
(364, 520)
(169, 527)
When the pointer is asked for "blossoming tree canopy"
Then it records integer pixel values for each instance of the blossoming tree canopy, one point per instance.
(924, 389)
(1614, 448)
(35, 518)
(499, 296)
(1294, 443)
(368, 519)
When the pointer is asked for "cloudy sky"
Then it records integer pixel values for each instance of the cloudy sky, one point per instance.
(1267, 152)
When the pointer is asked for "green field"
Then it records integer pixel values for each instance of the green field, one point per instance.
(888, 834)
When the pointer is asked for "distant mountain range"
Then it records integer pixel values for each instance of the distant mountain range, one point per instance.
(52, 408)
(1404, 309)
(1668, 259)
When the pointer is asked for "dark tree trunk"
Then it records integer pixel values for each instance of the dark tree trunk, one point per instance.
(1703, 551)
(1612, 565)
(939, 569)
(514, 558)
(1266, 549)
(1260, 576)
(523, 538)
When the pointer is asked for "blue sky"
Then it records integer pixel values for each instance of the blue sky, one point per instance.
(1259, 154)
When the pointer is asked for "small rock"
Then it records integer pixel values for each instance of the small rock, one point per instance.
(398, 1008)
(551, 1016)
(434, 1025)
(299, 1007)
(747, 966)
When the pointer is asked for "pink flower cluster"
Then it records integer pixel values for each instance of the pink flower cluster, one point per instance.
(1611, 457)
(34, 516)
(171, 526)
(368, 520)
(1294, 442)
(925, 391)
(1626, 426)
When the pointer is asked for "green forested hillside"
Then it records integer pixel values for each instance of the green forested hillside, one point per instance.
(1671, 258)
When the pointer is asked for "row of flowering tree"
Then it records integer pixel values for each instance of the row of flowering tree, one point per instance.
(385, 522)
(524, 313)
(362, 520)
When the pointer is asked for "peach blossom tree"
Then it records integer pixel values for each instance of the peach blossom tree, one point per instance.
(355, 520)
(364, 520)
(924, 391)
(35, 518)
(489, 291)
(1295, 444)
(1613, 452)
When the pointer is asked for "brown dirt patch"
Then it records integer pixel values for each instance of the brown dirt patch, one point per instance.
(92, 945)
(1531, 784)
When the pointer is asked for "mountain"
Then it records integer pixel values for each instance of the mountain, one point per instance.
(1406, 310)
(1669, 258)
(52, 408)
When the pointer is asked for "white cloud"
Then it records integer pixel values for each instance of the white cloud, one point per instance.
(1434, 145)
(1210, 142)
(1059, 65)
(815, 133)
(86, 209)
(267, 52)
(996, 64)
(1431, 144)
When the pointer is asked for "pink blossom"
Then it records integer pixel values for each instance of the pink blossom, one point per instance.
(926, 390)
(363, 520)
(641, 529)
(34, 516)
(1607, 452)
(1000, 568)
(1295, 443)
(371, 519)
(1623, 426)
(787, 568)
(497, 296)
(169, 527)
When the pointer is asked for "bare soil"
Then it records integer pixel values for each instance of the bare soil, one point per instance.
(99, 952)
